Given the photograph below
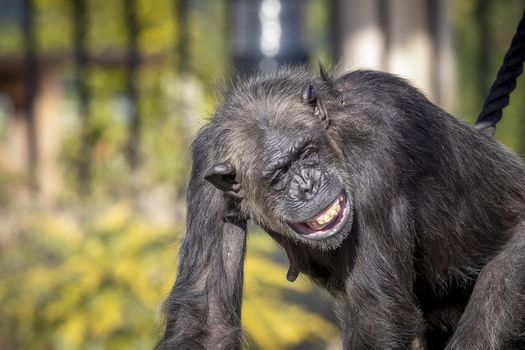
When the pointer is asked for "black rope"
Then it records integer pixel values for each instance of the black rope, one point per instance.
(510, 70)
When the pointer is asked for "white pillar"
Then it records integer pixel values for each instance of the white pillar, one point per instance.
(362, 42)
(410, 43)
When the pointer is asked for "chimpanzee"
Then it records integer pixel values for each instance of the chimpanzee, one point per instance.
(412, 220)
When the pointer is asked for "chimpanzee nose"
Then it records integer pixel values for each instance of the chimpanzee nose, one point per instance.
(306, 187)
(304, 184)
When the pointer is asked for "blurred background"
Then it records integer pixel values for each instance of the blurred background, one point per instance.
(99, 101)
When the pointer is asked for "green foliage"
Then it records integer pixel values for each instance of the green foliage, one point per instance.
(164, 137)
(158, 29)
(53, 18)
(473, 81)
(11, 39)
(271, 320)
(318, 21)
(107, 31)
(207, 28)
(84, 284)
(97, 281)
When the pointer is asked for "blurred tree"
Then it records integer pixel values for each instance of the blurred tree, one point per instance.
(484, 29)
(74, 285)
(97, 282)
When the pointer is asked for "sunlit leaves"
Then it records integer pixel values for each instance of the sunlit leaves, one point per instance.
(270, 318)
(82, 287)
(97, 280)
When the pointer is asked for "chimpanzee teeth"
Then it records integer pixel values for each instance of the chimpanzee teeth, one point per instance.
(326, 216)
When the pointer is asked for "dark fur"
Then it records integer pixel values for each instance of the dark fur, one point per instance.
(434, 255)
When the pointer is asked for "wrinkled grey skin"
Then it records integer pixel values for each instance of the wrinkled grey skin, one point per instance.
(433, 253)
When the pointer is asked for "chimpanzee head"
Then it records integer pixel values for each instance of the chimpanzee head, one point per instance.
(281, 160)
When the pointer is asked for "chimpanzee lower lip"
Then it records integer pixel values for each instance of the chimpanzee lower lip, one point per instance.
(332, 227)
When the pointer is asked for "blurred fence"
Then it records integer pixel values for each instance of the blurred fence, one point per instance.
(27, 75)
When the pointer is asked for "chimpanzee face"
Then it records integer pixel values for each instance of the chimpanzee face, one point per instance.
(287, 170)
(302, 187)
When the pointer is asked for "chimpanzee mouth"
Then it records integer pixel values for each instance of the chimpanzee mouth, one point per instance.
(328, 222)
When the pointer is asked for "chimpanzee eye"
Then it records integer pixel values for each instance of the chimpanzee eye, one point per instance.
(277, 180)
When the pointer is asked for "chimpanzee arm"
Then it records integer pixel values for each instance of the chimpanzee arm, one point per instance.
(381, 308)
(204, 307)
(493, 318)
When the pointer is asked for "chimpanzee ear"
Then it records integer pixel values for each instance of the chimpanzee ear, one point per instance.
(311, 97)
(222, 176)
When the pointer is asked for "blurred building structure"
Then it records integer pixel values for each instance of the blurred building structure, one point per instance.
(32, 89)
(32, 136)
(30, 104)
(268, 33)
(410, 38)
